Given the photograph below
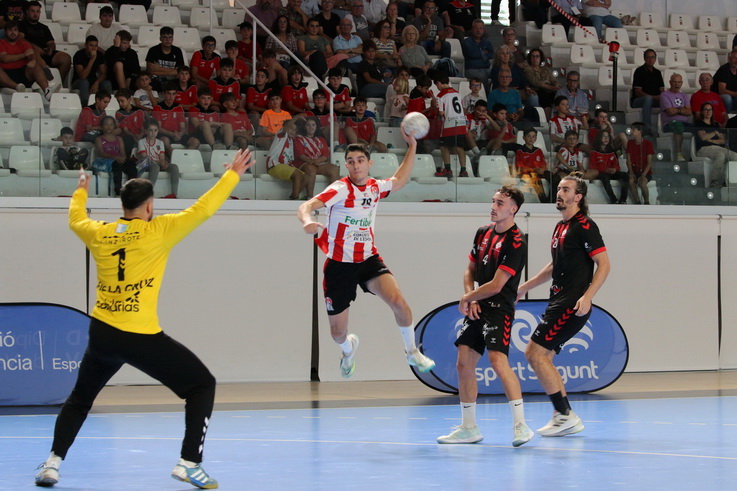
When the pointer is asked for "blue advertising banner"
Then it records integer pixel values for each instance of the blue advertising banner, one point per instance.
(591, 360)
(41, 347)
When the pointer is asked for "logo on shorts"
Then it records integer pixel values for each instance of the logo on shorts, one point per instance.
(329, 304)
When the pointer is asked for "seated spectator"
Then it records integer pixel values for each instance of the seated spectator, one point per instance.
(541, 80)
(348, 44)
(530, 165)
(12, 10)
(297, 18)
(315, 49)
(163, 59)
(257, 95)
(294, 95)
(105, 30)
(598, 13)
(342, 101)
(237, 119)
(562, 122)
(478, 52)
(399, 101)
(265, 11)
(310, 7)
(205, 125)
(122, 62)
(535, 11)
(321, 111)
(245, 46)
(111, 155)
(281, 162)
(396, 23)
(573, 10)
(130, 119)
(283, 31)
(711, 143)
(90, 71)
(372, 82)
(578, 100)
(477, 135)
(412, 55)
(568, 159)
(676, 113)
(272, 121)
(40, 37)
(152, 158)
(186, 89)
(361, 129)
(726, 81)
(503, 59)
(604, 165)
(374, 10)
(145, 97)
(387, 55)
(417, 103)
(639, 164)
(224, 83)
(402, 73)
(469, 100)
(20, 64)
(460, 16)
(359, 24)
(502, 135)
(647, 85)
(89, 123)
(171, 118)
(429, 25)
(506, 95)
(328, 20)
(602, 123)
(509, 34)
(277, 73)
(69, 156)
(705, 94)
(204, 63)
(312, 155)
(241, 71)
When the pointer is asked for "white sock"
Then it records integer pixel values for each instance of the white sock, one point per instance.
(187, 463)
(468, 411)
(346, 346)
(408, 336)
(475, 150)
(518, 411)
(53, 461)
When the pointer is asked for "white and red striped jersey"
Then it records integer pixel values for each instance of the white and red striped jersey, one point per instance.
(454, 119)
(559, 125)
(349, 235)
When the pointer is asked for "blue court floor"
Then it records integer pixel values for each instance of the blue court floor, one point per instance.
(653, 444)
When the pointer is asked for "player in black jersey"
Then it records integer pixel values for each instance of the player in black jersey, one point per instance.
(579, 268)
(495, 263)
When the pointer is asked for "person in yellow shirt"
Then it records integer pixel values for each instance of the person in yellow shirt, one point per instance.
(131, 255)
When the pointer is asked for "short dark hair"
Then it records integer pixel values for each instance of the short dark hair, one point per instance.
(598, 111)
(558, 100)
(318, 93)
(369, 45)
(226, 62)
(122, 34)
(9, 24)
(228, 96)
(424, 81)
(170, 86)
(34, 3)
(91, 38)
(152, 122)
(183, 68)
(107, 9)
(335, 72)
(203, 91)
(66, 131)
(570, 133)
(529, 130)
(274, 93)
(498, 107)
(101, 94)
(441, 77)
(124, 93)
(208, 39)
(245, 25)
(513, 193)
(136, 192)
(481, 103)
(638, 126)
(360, 99)
(231, 44)
(166, 30)
(357, 147)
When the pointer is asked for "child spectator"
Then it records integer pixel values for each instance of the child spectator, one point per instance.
(562, 121)
(359, 128)
(604, 165)
(152, 158)
(322, 112)
(399, 101)
(145, 97)
(241, 71)
(186, 89)
(224, 83)
(501, 132)
(639, 164)
(280, 162)
(294, 94)
(272, 121)
(205, 62)
(171, 118)
(69, 156)
(111, 155)
(277, 73)
(312, 155)
(237, 119)
(342, 101)
(130, 120)
(469, 100)
(478, 125)
(453, 136)
(402, 73)
(416, 103)
(89, 123)
(530, 165)
(568, 159)
(205, 125)
(257, 96)
(245, 46)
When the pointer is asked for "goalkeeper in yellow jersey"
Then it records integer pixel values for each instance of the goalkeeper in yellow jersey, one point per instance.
(131, 255)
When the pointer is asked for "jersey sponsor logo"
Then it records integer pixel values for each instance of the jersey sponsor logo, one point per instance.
(593, 359)
(329, 304)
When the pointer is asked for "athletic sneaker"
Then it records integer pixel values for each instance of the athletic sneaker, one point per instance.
(422, 362)
(196, 476)
(47, 475)
(347, 362)
(522, 434)
(562, 425)
(461, 434)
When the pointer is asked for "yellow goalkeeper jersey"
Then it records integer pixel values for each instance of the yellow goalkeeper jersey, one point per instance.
(131, 256)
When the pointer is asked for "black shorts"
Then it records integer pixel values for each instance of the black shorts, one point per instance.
(18, 75)
(341, 279)
(559, 324)
(453, 141)
(492, 331)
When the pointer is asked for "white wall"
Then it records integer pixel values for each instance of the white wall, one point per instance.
(238, 290)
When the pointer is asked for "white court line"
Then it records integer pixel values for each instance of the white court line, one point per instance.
(398, 444)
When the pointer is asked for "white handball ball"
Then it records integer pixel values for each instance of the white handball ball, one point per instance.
(416, 125)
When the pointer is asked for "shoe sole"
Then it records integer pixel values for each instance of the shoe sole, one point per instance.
(577, 428)
(189, 481)
(459, 442)
(519, 443)
(46, 483)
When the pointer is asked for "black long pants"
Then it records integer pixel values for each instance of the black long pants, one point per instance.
(624, 182)
(156, 355)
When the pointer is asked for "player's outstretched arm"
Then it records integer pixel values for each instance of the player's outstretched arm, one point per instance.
(304, 214)
(545, 274)
(243, 160)
(84, 181)
(404, 172)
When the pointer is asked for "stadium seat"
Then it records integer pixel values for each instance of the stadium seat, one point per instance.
(678, 39)
(221, 5)
(554, 34)
(133, 15)
(194, 180)
(66, 13)
(676, 58)
(44, 130)
(149, 36)
(424, 185)
(232, 18)
(539, 143)
(651, 20)
(648, 38)
(617, 34)
(27, 161)
(185, 4)
(27, 105)
(682, 22)
(56, 32)
(200, 18)
(92, 12)
(495, 168)
(456, 54)
(707, 60)
(167, 16)
(585, 36)
(223, 35)
(707, 41)
(11, 132)
(188, 38)
(77, 33)
(392, 136)
(385, 165)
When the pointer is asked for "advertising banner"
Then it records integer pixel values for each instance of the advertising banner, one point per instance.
(41, 347)
(591, 360)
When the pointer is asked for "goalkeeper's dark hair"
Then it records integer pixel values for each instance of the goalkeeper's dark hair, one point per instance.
(136, 192)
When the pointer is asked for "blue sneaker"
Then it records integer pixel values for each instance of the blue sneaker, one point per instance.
(47, 475)
(196, 476)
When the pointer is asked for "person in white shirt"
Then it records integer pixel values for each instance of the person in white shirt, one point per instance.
(104, 30)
